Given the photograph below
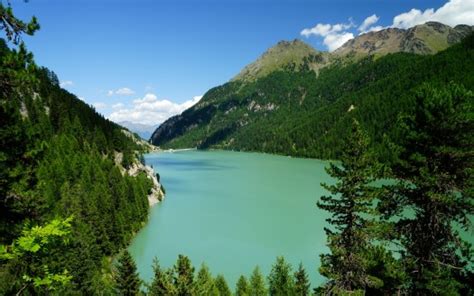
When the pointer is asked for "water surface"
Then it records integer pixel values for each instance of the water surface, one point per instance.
(233, 211)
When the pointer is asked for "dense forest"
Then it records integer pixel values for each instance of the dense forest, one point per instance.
(401, 238)
(299, 113)
(69, 208)
(67, 204)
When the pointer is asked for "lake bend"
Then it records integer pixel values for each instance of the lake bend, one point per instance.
(233, 211)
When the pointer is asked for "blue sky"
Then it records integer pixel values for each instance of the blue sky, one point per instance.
(164, 53)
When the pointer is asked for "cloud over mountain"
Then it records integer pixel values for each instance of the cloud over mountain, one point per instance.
(453, 12)
(150, 110)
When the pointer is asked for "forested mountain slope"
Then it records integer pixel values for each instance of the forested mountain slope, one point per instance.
(59, 158)
(303, 114)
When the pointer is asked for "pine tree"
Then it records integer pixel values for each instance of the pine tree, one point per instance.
(301, 282)
(204, 284)
(434, 173)
(127, 281)
(162, 282)
(242, 287)
(184, 276)
(350, 199)
(13, 26)
(257, 283)
(280, 279)
(222, 286)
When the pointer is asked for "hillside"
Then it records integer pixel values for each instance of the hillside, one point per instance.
(294, 55)
(296, 112)
(60, 159)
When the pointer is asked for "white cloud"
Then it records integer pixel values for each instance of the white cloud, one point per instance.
(325, 29)
(118, 106)
(368, 22)
(453, 13)
(334, 35)
(82, 99)
(124, 91)
(151, 110)
(99, 105)
(334, 41)
(66, 83)
(375, 29)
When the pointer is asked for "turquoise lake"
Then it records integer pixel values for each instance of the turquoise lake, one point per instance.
(233, 211)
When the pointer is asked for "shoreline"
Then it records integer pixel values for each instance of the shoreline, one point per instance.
(171, 150)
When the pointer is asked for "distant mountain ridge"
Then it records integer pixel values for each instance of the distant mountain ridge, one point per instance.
(297, 101)
(428, 38)
(143, 130)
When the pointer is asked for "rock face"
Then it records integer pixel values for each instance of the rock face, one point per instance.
(428, 38)
(157, 193)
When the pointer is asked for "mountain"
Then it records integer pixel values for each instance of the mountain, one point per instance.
(62, 161)
(428, 38)
(286, 54)
(280, 104)
(143, 130)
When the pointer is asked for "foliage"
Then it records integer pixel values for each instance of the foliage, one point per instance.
(434, 169)
(13, 26)
(222, 286)
(183, 276)
(349, 204)
(26, 255)
(257, 283)
(162, 282)
(204, 284)
(57, 159)
(301, 281)
(126, 277)
(388, 273)
(242, 287)
(280, 279)
(302, 114)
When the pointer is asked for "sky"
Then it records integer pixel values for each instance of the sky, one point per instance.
(144, 61)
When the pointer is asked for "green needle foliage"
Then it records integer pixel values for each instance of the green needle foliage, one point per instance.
(257, 283)
(184, 276)
(127, 282)
(435, 180)
(14, 27)
(58, 159)
(222, 286)
(280, 279)
(162, 281)
(301, 281)
(242, 287)
(349, 204)
(204, 284)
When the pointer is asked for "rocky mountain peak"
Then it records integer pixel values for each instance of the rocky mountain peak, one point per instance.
(427, 38)
(284, 55)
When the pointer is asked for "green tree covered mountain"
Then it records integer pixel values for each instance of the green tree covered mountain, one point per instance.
(296, 101)
(60, 159)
